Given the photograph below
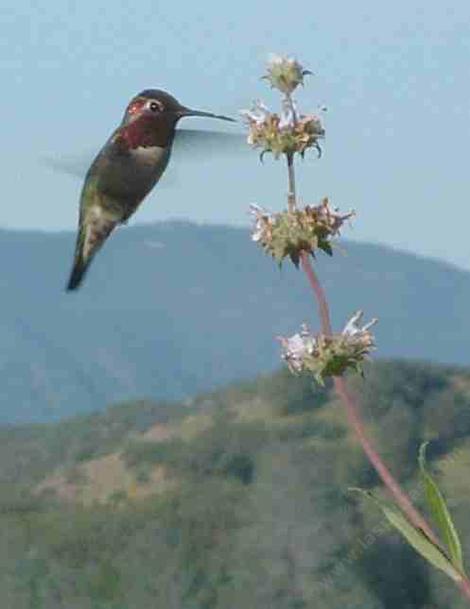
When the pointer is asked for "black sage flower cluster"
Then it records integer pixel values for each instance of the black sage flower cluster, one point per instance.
(326, 356)
(289, 233)
(285, 133)
(285, 73)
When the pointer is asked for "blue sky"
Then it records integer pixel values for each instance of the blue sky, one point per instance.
(394, 76)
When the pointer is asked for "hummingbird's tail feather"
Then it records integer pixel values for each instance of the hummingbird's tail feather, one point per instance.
(93, 232)
(79, 269)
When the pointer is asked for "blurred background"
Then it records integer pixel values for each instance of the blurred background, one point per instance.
(138, 465)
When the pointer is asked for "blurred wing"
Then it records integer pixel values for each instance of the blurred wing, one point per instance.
(189, 145)
(74, 165)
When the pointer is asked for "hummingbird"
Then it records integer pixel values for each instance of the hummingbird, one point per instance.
(125, 170)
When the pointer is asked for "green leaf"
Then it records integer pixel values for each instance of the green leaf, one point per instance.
(440, 512)
(415, 537)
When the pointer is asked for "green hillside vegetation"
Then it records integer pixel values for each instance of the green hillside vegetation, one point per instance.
(237, 498)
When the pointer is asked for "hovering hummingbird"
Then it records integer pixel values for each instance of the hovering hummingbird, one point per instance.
(125, 171)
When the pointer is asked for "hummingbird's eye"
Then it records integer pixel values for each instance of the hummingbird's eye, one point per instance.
(155, 106)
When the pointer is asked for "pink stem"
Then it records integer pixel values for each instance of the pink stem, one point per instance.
(352, 411)
(464, 586)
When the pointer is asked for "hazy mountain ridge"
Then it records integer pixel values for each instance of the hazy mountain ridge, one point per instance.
(175, 308)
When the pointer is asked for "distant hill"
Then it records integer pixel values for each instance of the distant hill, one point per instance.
(175, 308)
(237, 498)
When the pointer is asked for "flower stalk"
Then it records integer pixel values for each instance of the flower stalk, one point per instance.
(291, 196)
(348, 400)
(298, 233)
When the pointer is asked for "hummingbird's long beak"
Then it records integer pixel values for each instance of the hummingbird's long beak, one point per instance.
(188, 112)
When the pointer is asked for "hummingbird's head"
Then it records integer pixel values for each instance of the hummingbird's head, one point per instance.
(157, 104)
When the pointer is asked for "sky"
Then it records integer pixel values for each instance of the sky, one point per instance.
(394, 77)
